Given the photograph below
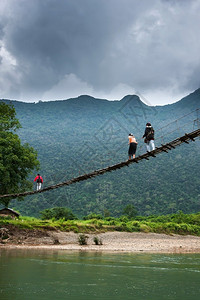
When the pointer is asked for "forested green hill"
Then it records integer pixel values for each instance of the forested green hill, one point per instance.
(80, 135)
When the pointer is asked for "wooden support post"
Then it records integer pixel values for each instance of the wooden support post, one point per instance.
(165, 150)
(165, 146)
(170, 145)
(191, 138)
(136, 160)
(152, 154)
(184, 140)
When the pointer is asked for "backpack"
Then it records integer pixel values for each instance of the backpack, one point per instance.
(39, 180)
(150, 135)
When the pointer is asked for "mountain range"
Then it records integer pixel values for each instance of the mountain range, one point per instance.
(82, 134)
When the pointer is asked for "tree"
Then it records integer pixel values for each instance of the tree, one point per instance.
(58, 213)
(8, 120)
(16, 160)
(130, 211)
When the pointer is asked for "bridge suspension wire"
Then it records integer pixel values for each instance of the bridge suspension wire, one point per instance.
(163, 134)
(188, 137)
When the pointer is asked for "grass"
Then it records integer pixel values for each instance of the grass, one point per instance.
(180, 223)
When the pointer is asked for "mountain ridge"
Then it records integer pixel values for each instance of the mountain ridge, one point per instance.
(74, 138)
(83, 97)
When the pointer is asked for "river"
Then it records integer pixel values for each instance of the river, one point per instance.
(52, 274)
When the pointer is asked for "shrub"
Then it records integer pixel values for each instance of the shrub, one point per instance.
(57, 213)
(97, 241)
(93, 216)
(82, 239)
(145, 228)
(110, 219)
(124, 219)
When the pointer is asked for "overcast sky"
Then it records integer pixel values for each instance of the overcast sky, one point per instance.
(58, 49)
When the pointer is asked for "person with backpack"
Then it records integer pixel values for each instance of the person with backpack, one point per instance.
(39, 181)
(149, 137)
(132, 146)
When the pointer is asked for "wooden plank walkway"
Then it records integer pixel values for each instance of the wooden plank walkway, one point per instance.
(188, 137)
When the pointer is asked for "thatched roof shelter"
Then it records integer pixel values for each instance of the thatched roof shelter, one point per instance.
(9, 212)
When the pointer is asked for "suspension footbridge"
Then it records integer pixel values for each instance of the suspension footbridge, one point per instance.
(184, 139)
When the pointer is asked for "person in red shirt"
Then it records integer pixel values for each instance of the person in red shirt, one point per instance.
(39, 181)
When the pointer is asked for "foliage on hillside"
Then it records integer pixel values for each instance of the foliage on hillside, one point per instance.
(57, 213)
(171, 224)
(80, 135)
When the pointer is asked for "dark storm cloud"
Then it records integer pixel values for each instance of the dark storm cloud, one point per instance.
(57, 49)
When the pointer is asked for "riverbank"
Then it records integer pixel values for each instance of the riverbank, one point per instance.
(111, 241)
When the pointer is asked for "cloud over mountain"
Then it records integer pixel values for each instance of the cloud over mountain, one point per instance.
(60, 49)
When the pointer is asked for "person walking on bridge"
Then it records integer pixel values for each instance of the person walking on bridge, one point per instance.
(39, 181)
(132, 146)
(149, 137)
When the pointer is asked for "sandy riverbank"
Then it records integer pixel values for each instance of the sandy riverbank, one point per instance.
(111, 241)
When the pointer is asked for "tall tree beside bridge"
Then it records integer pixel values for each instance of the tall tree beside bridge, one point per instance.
(17, 161)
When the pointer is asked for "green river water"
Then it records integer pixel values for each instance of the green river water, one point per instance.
(45, 274)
